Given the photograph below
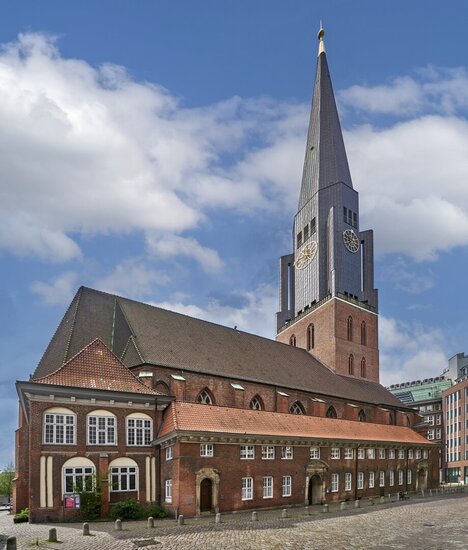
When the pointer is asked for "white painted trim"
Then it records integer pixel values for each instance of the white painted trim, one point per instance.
(50, 482)
(42, 482)
(153, 479)
(148, 478)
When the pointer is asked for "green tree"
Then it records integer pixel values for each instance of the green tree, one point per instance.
(6, 480)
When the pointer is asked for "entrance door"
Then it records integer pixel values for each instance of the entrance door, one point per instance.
(422, 480)
(314, 492)
(206, 492)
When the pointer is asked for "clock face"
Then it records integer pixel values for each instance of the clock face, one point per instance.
(350, 240)
(306, 255)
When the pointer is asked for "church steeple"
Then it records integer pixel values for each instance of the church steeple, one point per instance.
(325, 157)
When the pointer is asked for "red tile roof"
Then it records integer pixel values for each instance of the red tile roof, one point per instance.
(193, 417)
(96, 367)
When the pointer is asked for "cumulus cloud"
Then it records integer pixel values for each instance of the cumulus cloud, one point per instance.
(58, 291)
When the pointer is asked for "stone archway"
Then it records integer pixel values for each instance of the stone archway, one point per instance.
(421, 476)
(315, 482)
(207, 479)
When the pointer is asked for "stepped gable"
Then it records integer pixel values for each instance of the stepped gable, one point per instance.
(96, 367)
(162, 337)
(194, 417)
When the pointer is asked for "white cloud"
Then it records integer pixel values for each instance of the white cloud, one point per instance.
(403, 277)
(58, 291)
(409, 351)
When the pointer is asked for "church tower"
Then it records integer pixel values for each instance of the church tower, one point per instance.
(328, 303)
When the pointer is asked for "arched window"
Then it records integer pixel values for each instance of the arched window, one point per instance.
(331, 413)
(363, 334)
(102, 428)
(205, 397)
(350, 329)
(363, 367)
(310, 337)
(292, 340)
(59, 426)
(351, 364)
(297, 408)
(162, 387)
(256, 403)
(123, 475)
(79, 474)
(139, 429)
(362, 416)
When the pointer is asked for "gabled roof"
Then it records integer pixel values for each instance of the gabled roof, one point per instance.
(193, 417)
(140, 334)
(96, 367)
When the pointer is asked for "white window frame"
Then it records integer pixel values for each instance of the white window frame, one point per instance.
(400, 477)
(168, 491)
(247, 452)
(430, 435)
(139, 431)
(59, 428)
(286, 486)
(360, 480)
(401, 453)
(381, 478)
(410, 454)
(170, 452)
(123, 479)
(361, 454)
(371, 480)
(391, 478)
(335, 453)
(349, 453)
(287, 452)
(81, 476)
(425, 453)
(268, 452)
(206, 450)
(247, 488)
(417, 454)
(391, 453)
(409, 476)
(335, 483)
(382, 454)
(348, 481)
(101, 429)
(268, 487)
(371, 454)
(315, 453)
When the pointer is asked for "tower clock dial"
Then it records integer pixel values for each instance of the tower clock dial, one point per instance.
(351, 240)
(306, 255)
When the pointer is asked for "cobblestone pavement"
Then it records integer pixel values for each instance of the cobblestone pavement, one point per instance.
(431, 524)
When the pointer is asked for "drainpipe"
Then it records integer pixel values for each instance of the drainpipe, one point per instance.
(159, 474)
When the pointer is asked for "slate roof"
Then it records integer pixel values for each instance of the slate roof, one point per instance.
(193, 417)
(140, 334)
(96, 367)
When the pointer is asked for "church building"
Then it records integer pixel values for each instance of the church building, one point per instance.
(197, 417)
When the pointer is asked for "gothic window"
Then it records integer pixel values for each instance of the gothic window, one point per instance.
(363, 367)
(363, 334)
(205, 397)
(362, 416)
(331, 413)
(162, 387)
(350, 329)
(292, 340)
(310, 337)
(297, 408)
(351, 364)
(256, 404)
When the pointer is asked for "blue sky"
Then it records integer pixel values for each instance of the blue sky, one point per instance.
(154, 149)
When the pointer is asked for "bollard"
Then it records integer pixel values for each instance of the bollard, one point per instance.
(284, 513)
(325, 508)
(150, 522)
(422, 493)
(430, 492)
(382, 500)
(180, 520)
(118, 525)
(11, 543)
(342, 506)
(357, 503)
(85, 529)
(52, 535)
(398, 496)
(307, 510)
(218, 518)
(254, 516)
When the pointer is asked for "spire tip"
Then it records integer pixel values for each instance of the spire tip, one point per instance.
(320, 36)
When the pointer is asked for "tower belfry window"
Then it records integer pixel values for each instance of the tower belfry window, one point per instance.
(312, 226)
(349, 328)
(299, 239)
(306, 232)
(363, 334)
(310, 337)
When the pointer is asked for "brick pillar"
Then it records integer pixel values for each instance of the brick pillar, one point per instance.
(282, 402)
(178, 388)
(104, 480)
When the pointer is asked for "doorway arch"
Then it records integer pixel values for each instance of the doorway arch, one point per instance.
(314, 491)
(421, 478)
(314, 485)
(207, 491)
(206, 495)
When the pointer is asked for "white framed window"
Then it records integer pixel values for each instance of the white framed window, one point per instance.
(286, 486)
(315, 452)
(391, 453)
(268, 452)
(123, 478)
(101, 428)
(170, 452)
(139, 430)
(360, 480)
(381, 453)
(59, 428)
(400, 477)
(438, 433)
(361, 453)
(401, 453)
(410, 453)
(381, 479)
(391, 478)
(425, 453)
(78, 478)
(247, 452)
(430, 435)
(409, 476)
(349, 453)
(247, 488)
(370, 453)
(206, 449)
(335, 483)
(168, 490)
(439, 419)
(371, 480)
(348, 481)
(268, 487)
(430, 419)
(417, 454)
(335, 453)
(287, 453)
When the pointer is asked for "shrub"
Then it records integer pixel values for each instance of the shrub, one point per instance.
(155, 511)
(21, 517)
(90, 505)
(127, 509)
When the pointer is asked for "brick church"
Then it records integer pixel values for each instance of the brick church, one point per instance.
(200, 418)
